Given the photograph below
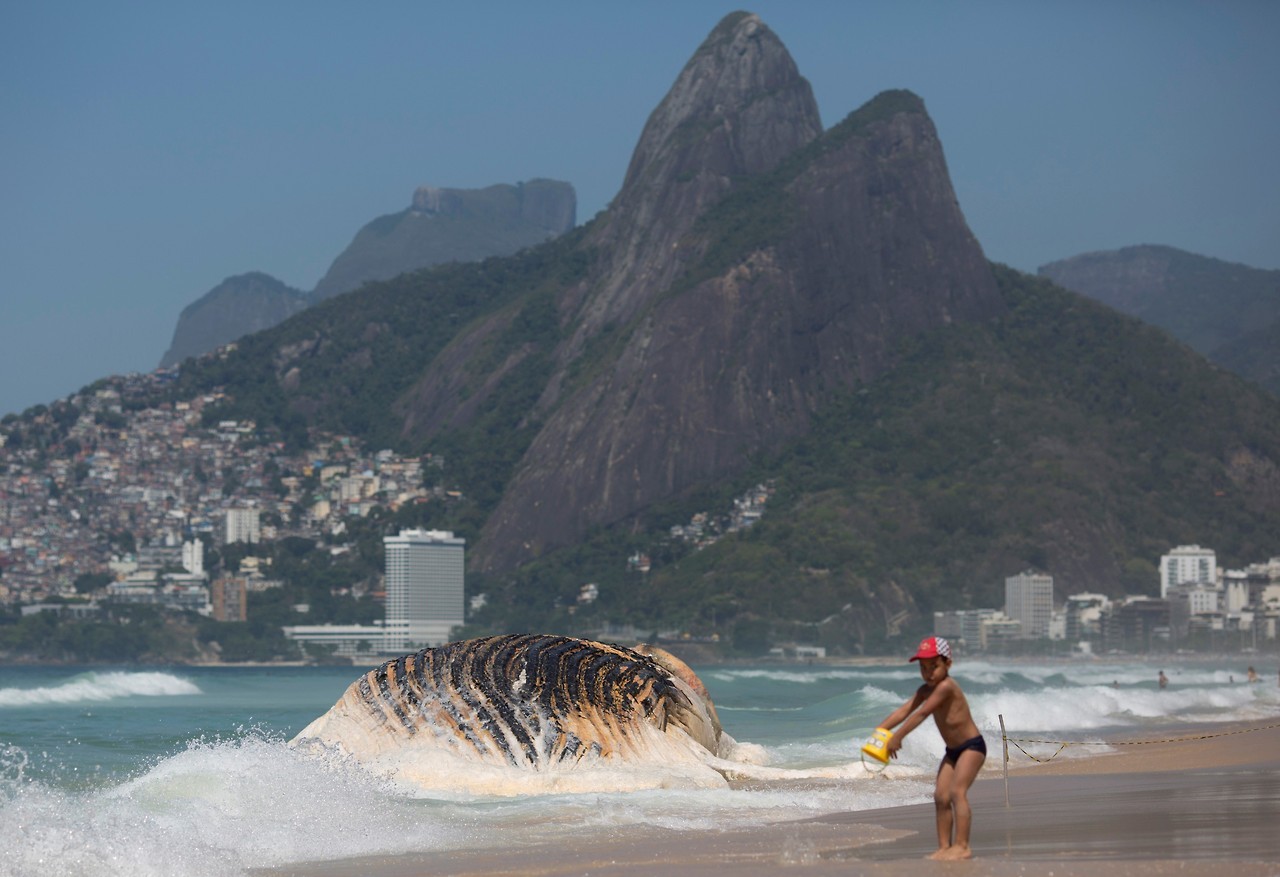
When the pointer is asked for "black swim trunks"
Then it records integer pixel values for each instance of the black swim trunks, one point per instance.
(977, 744)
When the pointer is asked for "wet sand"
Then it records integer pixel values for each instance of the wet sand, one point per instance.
(1192, 807)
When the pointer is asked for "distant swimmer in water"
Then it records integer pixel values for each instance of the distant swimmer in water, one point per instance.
(1162, 680)
(942, 698)
(1253, 675)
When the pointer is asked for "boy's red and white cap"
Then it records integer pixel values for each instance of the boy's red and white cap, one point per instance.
(932, 647)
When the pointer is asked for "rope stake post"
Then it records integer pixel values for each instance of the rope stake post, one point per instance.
(1004, 739)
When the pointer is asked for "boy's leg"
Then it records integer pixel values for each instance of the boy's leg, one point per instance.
(942, 803)
(966, 771)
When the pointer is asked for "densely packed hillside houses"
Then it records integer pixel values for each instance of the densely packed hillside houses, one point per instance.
(111, 496)
(106, 499)
(89, 487)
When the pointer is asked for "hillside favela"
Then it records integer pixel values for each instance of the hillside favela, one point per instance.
(713, 501)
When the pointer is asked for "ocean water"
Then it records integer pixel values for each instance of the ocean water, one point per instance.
(133, 771)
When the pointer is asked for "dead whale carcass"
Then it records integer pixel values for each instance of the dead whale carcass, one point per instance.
(538, 703)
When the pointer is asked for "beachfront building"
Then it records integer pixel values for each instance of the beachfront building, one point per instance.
(355, 641)
(963, 626)
(1187, 565)
(1084, 616)
(1136, 624)
(424, 588)
(1192, 608)
(998, 631)
(1028, 598)
(1237, 594)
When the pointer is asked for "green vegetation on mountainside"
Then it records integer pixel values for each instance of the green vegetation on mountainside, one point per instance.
(1207, 302)
(342, 365)
(1062, 437)
(1254, 355)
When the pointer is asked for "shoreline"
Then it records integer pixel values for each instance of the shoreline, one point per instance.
(1204, 803)
(1232, 661)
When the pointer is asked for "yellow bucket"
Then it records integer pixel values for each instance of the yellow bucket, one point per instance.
(877, 748)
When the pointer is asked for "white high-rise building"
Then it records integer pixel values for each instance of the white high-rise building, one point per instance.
(1028, 598)
(424, 588)
(242, 525)
(193, 557)
(1188, 565)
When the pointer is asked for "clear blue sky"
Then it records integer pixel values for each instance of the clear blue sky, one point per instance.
(150, 150)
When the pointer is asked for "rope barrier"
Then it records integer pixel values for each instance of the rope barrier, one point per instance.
(1063, 744)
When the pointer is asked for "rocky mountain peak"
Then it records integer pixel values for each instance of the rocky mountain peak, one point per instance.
(737, 108)
(235, 307)
(751, 265)
(452, 225)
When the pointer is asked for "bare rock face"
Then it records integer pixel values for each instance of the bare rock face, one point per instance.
(737, 108)
(452, 225)
(752, 264)
(234, 308)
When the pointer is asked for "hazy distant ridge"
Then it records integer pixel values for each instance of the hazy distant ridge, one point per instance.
(1228, 312)
(452, 225)
(441, 225)
(235, 307)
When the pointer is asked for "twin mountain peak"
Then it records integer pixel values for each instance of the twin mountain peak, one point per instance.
(752, 267)
(750, 264)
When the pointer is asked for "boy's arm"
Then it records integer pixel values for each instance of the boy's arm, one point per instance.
(921, 708)
(903, 711)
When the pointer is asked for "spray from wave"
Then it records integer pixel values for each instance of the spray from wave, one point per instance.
(223, 807)
(218, 808)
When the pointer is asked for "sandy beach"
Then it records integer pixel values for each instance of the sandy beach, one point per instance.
(1204, 803)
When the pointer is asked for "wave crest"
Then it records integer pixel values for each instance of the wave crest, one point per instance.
(99, 687)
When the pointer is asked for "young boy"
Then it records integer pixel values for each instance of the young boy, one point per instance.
(942, 698)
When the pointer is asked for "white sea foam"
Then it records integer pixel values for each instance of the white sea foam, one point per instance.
(219, 808)
(1090, 707)
(813, 675)
(425, 765)
(97, 687)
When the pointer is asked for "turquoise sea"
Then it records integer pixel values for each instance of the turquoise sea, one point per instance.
(164, 771)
